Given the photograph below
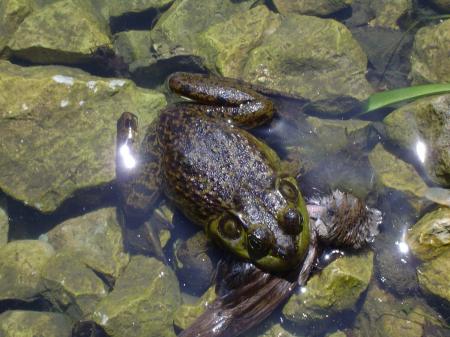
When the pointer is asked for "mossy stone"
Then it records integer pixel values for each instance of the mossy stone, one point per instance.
(433, 276)
(142, 302)
(4, 222)
(59, 129)
(430, 236)
(21, 266)
(338, 287)
(71, 286)
(47, 35)
(311, 7)
(95, 239)
(429, 59)
(18, 323)
(421, 128)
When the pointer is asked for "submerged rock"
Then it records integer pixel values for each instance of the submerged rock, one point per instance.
(433, 276)
(12, 13)
(21, 266)
(384, 316)
(311, 7)
(422, 129)
(444, 5)
(187, 313)
(335, 289)
(430, 236)
(429, 60)
(95, 239)
(71, 286)
(47, 35)
(18, 323)
(392, 172)
(388, 12)
(143, 301)
(59, 128)
(4, 222)
(274, 55)
(112, 9)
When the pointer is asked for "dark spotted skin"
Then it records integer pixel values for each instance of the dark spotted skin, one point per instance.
(214, 171)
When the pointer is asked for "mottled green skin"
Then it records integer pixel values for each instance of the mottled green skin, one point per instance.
(212, 169)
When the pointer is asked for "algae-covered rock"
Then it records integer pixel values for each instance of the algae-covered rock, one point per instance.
(47, 35)
(338, 287)
(388, 12)
(311, 7)
(337, 334)
(271, 330)
(430, 236)
(143, 301)
(181, 24)
(444, 5)
(422, 128)
(59, 129)
(4, 222)
(384, 316)
(309, 57)
(392, 172)
(94, 238)
(187, 313)
(116, 8)
(228, 43)
(429, 59)
(433, 275)
(71, 286)
(133, 45)
(18, 323)
(12, 13)
(21, 265)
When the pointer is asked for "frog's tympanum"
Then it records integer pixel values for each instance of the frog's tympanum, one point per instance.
(202, 157)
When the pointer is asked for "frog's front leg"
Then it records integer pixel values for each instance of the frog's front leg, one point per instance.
(225, 98)
(137, 175)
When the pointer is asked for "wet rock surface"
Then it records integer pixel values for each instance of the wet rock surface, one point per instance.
(51, 116)
(392, 172)
(143, 301)
(95, 239)
(421, 128)
(383, 315)
(430, 236)
(42, 38)
(388, 13)
(310, 7)
(18, 323)
(335, 289)
(21, 266)
(4, 222)
(429, 59)
(433, 276)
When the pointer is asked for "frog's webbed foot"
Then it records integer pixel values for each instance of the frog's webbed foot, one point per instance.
(137, 175)
(341, 219)
(224, 98)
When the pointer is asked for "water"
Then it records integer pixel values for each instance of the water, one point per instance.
(326, 146)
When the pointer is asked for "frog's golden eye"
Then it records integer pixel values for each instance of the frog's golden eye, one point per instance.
(288, 190)
(259, 243)
(230, 227)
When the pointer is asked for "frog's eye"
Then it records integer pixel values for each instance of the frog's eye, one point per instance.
(259, 243)
(292, 222)
(230, 227)
(288, 190)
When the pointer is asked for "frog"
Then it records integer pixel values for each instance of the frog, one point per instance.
(201, 156)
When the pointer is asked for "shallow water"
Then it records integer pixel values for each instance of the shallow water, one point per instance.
(328, 150)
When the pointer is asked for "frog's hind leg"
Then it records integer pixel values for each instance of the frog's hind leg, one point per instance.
(137, 175)
(225, 98)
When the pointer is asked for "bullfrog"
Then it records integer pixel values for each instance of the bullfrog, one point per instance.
(202, 157)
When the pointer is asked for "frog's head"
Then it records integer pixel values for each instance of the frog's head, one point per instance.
(268, 227)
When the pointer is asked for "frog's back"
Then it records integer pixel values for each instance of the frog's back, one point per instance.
(205, 161)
